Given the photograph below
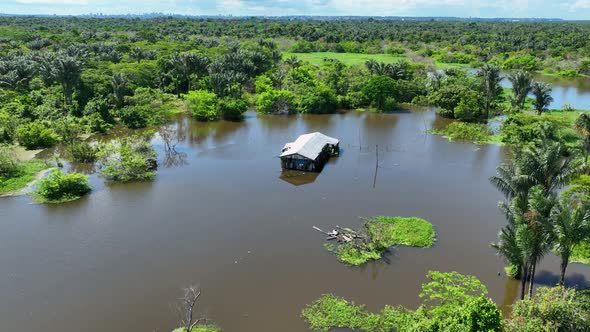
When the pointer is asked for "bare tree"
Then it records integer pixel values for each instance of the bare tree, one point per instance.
(188, 303)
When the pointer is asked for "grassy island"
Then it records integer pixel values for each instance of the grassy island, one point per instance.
(381, 233)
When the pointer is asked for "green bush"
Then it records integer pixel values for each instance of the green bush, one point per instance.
(379, 90)
(318, 99)
(203, 105)
(462, 131)
(232, 109)
(8, 125)
(525, 62)
(82, 152)
(135, 117)
(60, 187)
(35, 135)
(128, 159)
(9, 165)
(275, 102)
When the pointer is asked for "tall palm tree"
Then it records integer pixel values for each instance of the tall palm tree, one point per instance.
(549, 164)
(491, 78)
(119, 84)
(521, 86)
(527, 237)
(582, 125)
(511, 182)
(542, 93)
(571, 223)
(67, 70)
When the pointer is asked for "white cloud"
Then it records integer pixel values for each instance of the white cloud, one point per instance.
(579, 4)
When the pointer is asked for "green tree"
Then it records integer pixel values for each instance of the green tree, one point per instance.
(542, 93)
(551, 309)
(35, 135)
(66, 71)
(119, 83)
(490, 76)
(582, 125)
(203, 105)
(571, 224)
(378, 89)
(521, 86)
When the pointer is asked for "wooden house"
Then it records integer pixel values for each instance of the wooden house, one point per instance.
(309, 152)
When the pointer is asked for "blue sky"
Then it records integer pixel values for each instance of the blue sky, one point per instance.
(569, 9)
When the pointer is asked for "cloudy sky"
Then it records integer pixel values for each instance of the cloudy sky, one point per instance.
(569, 9)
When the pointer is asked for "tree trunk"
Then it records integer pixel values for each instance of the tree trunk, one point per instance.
(532, 281)
(523, 280)
(564, 262)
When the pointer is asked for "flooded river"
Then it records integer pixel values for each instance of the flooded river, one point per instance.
(223, 216)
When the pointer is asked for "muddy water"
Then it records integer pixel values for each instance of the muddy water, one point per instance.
(222, 215)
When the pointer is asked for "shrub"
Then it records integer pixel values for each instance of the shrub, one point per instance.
(128, 159)
(82, 152)
(59, 187)
(9, 165)
(134, 117)
(203, 105)
(461, 131)
(232, 109)
(8, 125)
(275, 102)
(318, 99)
(35, 135)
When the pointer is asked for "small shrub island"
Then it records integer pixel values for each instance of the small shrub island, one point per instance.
(58, 187)
(379, 234)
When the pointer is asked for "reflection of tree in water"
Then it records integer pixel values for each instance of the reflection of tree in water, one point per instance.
(319, 122)
(199, 132)
(171, 137)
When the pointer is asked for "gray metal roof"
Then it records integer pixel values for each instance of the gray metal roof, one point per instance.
(308, 145)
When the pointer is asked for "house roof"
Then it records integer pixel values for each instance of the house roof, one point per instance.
(308, 145)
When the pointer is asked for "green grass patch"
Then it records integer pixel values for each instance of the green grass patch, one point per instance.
(381, 233)
(464, 131)
(349, 59)
(27, 173)
(581, 253)
(444, 65)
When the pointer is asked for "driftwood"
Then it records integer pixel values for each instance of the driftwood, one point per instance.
(346, 235)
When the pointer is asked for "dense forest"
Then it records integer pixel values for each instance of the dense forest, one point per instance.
(65, 79)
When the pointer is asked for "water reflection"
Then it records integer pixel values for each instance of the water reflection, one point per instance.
(297, 178)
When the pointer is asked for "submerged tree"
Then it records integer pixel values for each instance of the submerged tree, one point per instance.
(521, 86)
(542, 93)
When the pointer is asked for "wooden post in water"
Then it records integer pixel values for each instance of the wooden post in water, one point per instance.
(376, 165)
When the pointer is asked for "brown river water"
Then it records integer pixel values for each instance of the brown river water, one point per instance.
(223, 216)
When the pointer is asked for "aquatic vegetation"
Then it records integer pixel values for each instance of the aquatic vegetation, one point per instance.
(381, 233)
(128, 159)
(58, 187)
(464, 131)
(453, 302)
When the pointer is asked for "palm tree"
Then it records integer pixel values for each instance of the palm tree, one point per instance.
(511, 182)
(583, 126)
(137, 54)
(549, 164)
(66, 70)
(571, 226)
(491, 78)
(521, 86)
(293, 61)
(119, 84)
(542, 93)
(528, 236)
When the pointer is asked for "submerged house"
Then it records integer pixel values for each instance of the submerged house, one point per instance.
(309, 152)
